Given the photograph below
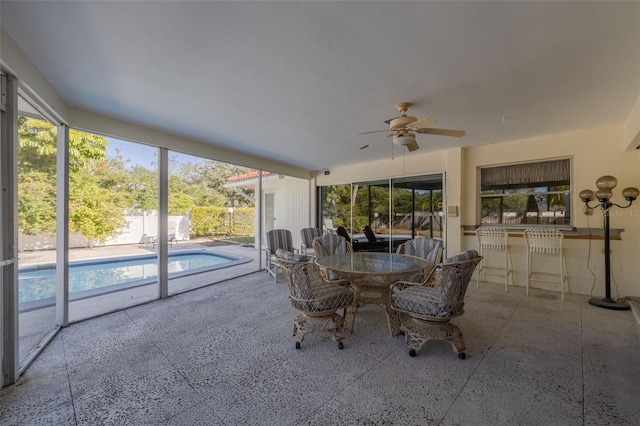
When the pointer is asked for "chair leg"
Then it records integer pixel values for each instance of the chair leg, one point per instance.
(511, 270)
(562, 277)
(332, 324)
(350, 317)
(479, 270)
(418, 333)
(529, 260)
(506, 270)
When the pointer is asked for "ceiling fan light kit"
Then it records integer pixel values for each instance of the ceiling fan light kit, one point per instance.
(404, 140)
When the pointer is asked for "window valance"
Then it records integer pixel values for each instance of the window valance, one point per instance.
(543, 173)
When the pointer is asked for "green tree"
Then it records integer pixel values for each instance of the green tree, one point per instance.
(93, 210)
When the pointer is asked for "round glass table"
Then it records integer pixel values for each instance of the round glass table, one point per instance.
(372, 274)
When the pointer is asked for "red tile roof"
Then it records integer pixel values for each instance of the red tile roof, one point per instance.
(248, 176)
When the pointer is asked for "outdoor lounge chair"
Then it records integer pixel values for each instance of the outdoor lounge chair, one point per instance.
(317, 299)
(431, 304)
(375, 243)
(171, 238)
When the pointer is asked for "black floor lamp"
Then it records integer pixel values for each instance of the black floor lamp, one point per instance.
(605, 184)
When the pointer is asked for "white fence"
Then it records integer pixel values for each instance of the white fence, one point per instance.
(135, 232)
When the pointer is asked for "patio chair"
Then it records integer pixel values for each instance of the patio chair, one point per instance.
(171, 238)
(378, 244)
(427, 248)
(277, 239)
(371, 236)
(317, 299)
(343, 233)
(328, 244)
(307, 235)
(328, 226)
(432, 303)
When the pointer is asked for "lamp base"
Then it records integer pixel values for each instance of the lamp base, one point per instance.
(609, 303)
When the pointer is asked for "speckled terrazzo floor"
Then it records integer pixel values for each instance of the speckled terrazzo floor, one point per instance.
(223, 355)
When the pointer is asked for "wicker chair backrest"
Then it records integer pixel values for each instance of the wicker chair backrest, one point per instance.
(453, 276)
(330, 244)
(442, 296)
(429, 249)
(309, 292)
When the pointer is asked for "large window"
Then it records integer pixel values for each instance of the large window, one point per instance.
(526, 194)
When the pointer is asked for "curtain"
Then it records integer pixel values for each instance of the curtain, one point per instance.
(543, 173)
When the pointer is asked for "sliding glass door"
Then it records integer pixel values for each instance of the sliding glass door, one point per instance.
(395, 210)
(417, 206)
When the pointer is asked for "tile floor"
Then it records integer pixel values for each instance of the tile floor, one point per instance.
(223, 355)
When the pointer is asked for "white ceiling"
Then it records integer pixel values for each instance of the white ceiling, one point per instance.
(297, 81)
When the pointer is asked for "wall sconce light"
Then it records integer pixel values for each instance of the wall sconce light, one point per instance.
(605, 184)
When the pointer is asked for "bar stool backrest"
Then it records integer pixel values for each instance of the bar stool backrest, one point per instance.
(543, 240)
(492, 238)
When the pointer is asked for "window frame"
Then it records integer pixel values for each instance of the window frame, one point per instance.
(502, 194)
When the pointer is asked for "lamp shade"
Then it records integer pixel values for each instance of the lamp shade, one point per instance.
(586, 195)
(606, 182)
(603, 194)
(630, 193)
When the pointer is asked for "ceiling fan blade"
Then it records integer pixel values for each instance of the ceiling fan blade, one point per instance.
(442, 132)
(413, 146)
(375, 131)
(421, 123)
(376, 141)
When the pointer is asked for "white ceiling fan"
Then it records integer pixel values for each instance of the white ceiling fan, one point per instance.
(404, 128)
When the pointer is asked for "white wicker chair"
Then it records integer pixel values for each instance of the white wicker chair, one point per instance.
(328, 244)
(432, 303)
(317, 299)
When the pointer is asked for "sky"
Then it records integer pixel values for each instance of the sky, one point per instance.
(140, 154)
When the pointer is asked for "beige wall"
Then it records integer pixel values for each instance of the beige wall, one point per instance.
(594, 152)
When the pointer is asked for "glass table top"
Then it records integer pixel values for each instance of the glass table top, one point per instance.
(372, 263)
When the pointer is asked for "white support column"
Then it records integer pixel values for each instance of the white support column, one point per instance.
(259, 196)
(10, 368)
(163, 222)
(62, 226)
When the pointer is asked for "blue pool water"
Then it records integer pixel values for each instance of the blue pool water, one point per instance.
(88, 277)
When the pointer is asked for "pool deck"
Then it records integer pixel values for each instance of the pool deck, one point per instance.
(37, 323)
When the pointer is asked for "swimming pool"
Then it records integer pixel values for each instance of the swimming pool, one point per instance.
(91, 277)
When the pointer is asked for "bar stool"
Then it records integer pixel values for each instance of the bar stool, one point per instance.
(495, 239)
(545, 241)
